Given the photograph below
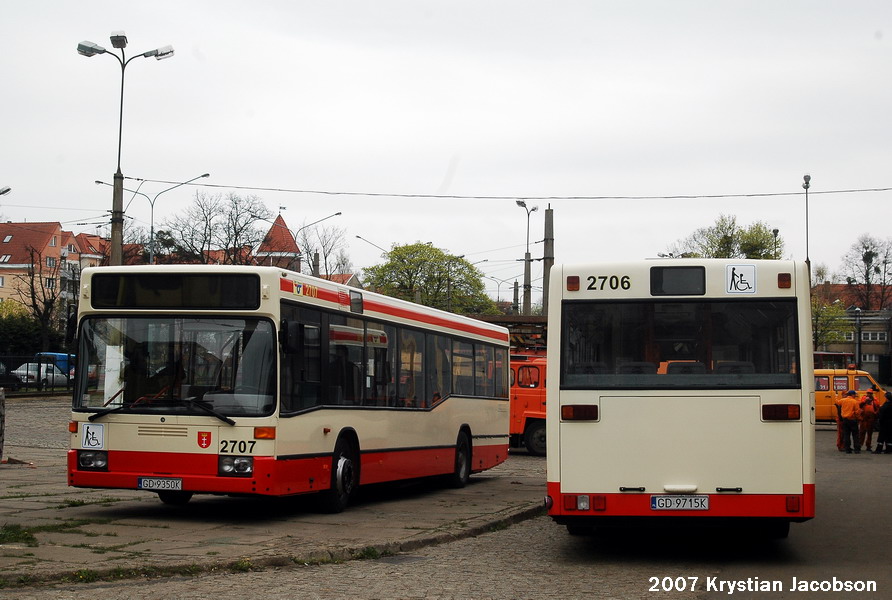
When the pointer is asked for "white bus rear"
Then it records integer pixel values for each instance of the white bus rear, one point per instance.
(683, 391)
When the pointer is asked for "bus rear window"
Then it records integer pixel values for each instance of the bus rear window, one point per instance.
(185, 291)
(687, 344)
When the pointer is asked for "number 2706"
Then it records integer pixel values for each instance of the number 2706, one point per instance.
(613, 282)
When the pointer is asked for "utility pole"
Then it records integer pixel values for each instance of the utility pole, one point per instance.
(548, 257)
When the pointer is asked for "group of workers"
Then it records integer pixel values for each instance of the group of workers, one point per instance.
(857, 419)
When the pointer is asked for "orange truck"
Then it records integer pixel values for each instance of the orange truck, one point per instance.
(831, 384)
(527, 427)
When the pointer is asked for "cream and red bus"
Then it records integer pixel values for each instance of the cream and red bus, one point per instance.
(680, 389)
(257, 380)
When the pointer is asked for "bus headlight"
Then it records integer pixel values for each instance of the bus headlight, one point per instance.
(92, 460)
(235, 466)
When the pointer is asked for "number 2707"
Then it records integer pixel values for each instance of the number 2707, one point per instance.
(613, 282)
(233, 446)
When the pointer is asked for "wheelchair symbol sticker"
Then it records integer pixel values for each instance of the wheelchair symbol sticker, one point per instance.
(740, 279)
(93, 436)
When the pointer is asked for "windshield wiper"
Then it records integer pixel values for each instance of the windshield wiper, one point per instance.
(107, 411)
(206, 407)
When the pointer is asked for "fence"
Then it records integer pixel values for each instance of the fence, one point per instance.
(27, 373)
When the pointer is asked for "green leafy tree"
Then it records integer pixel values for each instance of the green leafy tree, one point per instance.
(421, 273)
(727, 239)
(828, 321)
(19, 331)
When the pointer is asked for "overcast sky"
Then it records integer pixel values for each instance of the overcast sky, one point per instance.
(467, 98)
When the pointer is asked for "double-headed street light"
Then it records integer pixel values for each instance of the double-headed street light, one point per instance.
(152, 205)
(527, 260)
(88, 49)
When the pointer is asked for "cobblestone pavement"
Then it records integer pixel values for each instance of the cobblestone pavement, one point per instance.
(533, 559)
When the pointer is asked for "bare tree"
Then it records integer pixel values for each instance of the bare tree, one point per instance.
(330, 243)
(238, 233)
(867, 270)
(214, 222)
(38, 290)
(190, 237)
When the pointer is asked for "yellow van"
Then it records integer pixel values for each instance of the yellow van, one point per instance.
(831, 384)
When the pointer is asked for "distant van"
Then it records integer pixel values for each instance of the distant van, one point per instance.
(831, 384)
(64, 361)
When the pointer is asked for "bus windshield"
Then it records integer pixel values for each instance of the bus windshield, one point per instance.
(687, 344)
(193, 365)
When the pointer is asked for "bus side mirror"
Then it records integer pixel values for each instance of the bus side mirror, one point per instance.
(290, 336)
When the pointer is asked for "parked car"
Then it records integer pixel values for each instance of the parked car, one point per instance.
(41, 375)
(8, 379)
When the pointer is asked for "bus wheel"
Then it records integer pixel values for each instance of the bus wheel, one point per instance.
(534, 438)
(777, 530)
(174, 497)
(344, 478)
(462, 472)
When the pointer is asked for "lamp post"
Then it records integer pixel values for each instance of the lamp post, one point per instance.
(774, 232)
(5, 190)
(858, 337)
(499, 283)
(152, 207)
(88, 49)
(805, 185)
(359, 237)
(527, 260)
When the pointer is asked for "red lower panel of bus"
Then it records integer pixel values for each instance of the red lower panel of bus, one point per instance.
(198, 473)
(273, 477)
(637, 504)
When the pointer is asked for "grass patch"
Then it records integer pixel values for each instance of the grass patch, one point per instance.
(242, 565)
(16, 534)
(370, 553)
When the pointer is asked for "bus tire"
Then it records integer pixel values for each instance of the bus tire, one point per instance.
(174, 497)
(344, 478)
(462, 470)
(534, 438)
(777, 530)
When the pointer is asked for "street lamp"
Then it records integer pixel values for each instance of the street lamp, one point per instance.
(359, 237)
(152, 205)
(774, 232)
(858, 337)
(806, 184)
(527, 308)
(5, 190)
(88, 49)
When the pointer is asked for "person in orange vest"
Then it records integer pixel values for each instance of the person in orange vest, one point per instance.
(850, 412)
(870, 408)
(836, 408)
(884, 421)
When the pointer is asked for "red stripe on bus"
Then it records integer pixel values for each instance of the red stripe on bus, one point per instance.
(720, 505)
(432, 319)
(336, 297)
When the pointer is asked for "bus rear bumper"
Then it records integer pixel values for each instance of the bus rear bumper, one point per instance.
(573, 508)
